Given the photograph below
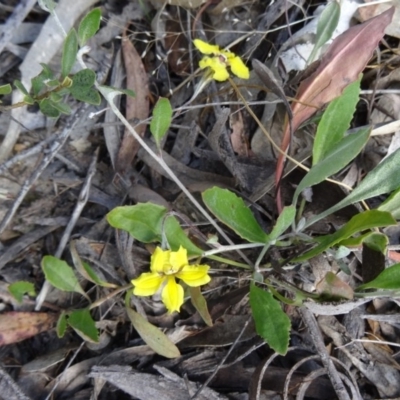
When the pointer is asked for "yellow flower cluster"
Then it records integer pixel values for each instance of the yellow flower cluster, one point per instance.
(218, 60)
(165, 267)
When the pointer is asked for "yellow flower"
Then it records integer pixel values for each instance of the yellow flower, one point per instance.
(218, 60)
(166, 266)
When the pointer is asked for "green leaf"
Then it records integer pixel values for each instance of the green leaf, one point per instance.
(272, 324)
(360, 222)
(337, 158)
(154, 338)
(162, 117)
(89, 26)
(177, 237)
(61, 325)
(85, 270)
(49, 109)
(84, 78)
(283, 222)
(62, 108)
(5, 89)
(233, 212)
(377, 241)
(20, 288)
(83, 324)
(29, 100)
(392, 204)
(327, 23)
(39, 82)
(382, 179)
(82, 87)
(70, 51)
(387, 279)
(143, 221)
(335, 121)
(61, 275)
(47, 5)
(200, 304)
(18, 84)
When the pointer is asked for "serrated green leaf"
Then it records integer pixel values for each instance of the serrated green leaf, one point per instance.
(153, 337)
(5, 89)
(388, 279)
(327, 23)
(61, 275)
(335, 121)
(283, 222)
(143, 221)
(360, 222)
(20, 288)
(83, 324)
(70, 50)
(89, 26)
(85, 270)
(48, 108)
(272, 324)
(337, 158)
(382, 179)
(161, 121)
(233, 212)
(61, 325)
(18, 84)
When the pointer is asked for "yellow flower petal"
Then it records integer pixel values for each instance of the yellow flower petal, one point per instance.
(206, 48)
(160, 260)
(172, 295)
(147, 284)
(194, 275)
(178, 259)
(238, 67)
(221, 74)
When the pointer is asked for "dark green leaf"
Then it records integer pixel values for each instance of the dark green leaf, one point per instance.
(48, 108)
(83, 324)
(162, 117)
(70, 51)
(233, 212)
(388, 279)
(360, 222)
(143, 221)
(61, 275)
(89, 26)
(272, 324)
(20, 288)
(154, 338)
(337, 158)
(335, 121)
(84, 78)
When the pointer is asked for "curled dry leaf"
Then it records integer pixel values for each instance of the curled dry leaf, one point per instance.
(341, 65)
(18, 326)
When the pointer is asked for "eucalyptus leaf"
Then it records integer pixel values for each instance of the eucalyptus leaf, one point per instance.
(89, 26)
(335, 121)
(142, 221)
(154, 337)
(70, 50)
(83, 324)
(233, 212)
(360, 222)
(272, 324)
(388, 279)
(337, 158)
(161, 121)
